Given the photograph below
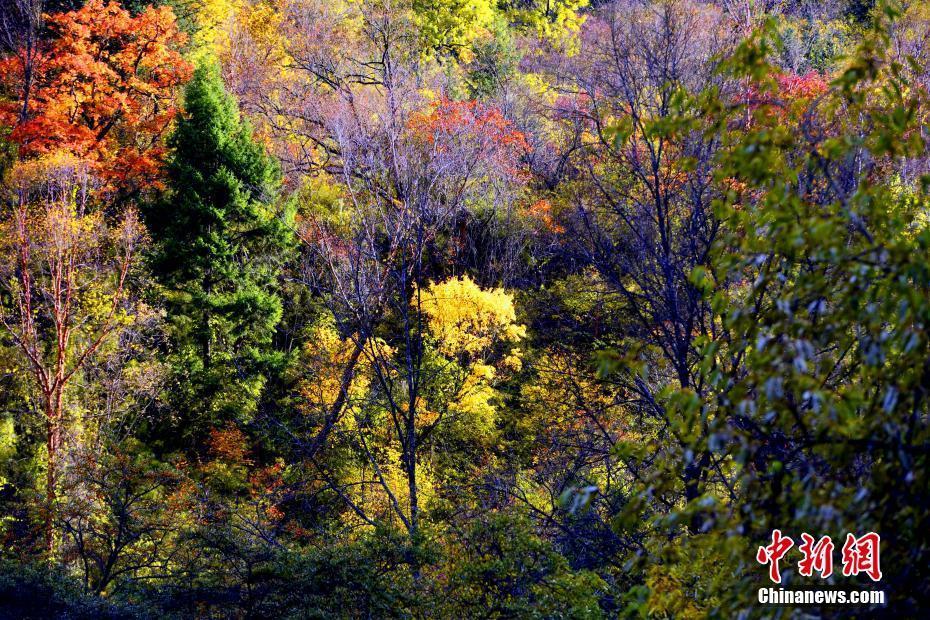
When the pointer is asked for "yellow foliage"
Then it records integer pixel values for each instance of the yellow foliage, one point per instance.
(327, 354)
(7, 446)
(555, 21)
(373, 497)
(263, 23)
(473, 400)
(453, 24)
(213, 18)
(466, 319)
(471, 336)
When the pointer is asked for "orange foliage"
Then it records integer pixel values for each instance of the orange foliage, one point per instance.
(105, 86)
(541, 212)
(229, 444)
(446, 121)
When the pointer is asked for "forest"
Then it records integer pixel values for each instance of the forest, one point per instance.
(464, 308)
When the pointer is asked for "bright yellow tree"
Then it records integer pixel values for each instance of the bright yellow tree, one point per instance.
(469, 346)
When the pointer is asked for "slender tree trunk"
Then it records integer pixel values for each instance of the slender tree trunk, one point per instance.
(412, 485)
(414, 499)
(53, 403)
(27, 82)
(205, 341)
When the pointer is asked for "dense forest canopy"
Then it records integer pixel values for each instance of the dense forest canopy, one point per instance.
(462, 308)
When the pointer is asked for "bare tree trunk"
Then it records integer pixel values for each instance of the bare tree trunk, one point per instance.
(412, 478)
(52, 262)
(413, 503)
(51, 445)
(53, 415)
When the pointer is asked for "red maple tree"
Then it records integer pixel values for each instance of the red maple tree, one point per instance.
(103, 88)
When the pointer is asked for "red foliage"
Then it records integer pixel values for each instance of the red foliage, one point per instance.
(793, 86)
(789, 88)
(105, 86)
(447, 121)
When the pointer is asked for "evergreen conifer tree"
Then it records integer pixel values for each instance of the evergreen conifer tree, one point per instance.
(219, 245)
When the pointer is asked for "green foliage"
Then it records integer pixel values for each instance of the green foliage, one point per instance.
(35, 591)
(220, 236)
(814, 45)
(581, 302)
(355, 580)
(7, 445)
(502, 569)
(494, 60)
(821, 287)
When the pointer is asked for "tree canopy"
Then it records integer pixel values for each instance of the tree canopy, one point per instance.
(408, 309)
